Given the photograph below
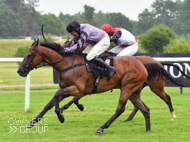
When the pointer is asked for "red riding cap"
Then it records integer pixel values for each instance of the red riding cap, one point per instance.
(108, 28)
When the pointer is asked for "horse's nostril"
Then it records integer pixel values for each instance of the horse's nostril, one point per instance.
(18, 71)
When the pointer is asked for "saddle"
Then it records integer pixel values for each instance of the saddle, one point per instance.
(98, 72)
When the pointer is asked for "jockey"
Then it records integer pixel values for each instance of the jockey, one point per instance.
(127, 43)
(97, 39)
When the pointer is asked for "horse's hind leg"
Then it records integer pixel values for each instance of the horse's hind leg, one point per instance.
(137, 102)
(118, 112)
(74, 100)
(137, 94)
(157, 86)
(126, 91)
(132, 114)
(167, 99)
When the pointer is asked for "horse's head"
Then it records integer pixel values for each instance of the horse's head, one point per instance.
(29, 62)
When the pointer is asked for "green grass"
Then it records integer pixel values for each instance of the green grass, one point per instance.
(9, 75)
(81, 126)
(9, 47)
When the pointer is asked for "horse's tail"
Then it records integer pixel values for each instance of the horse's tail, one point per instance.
(169, 64)
(154, 70)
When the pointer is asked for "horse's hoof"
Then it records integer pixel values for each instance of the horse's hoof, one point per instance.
(81, 107)
(173, 119)
(99, 130)
(126, 120)
(61, 118)
(173, 116)
(29, 125)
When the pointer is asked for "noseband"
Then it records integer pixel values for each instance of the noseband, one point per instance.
(28, 66)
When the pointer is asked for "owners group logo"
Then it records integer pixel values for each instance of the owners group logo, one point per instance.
(18, 125)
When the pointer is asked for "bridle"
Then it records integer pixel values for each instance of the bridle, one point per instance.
(28, 66)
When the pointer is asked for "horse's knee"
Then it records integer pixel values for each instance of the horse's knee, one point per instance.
(57, 111)
(146, 113)
(58, 94)
(120, 111)
(168, 97)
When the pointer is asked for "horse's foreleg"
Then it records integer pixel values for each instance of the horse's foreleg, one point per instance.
(74, 100)
(42, 113)
(57, 109)
(66, 92)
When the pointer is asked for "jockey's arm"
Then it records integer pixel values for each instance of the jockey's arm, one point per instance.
(116, 36)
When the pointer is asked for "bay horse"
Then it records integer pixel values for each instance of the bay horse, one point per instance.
(156, 85)
(74, 80)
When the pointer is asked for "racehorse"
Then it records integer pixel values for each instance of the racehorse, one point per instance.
(74, 80)
(157, 85)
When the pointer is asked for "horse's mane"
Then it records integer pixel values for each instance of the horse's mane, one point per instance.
(54, 46)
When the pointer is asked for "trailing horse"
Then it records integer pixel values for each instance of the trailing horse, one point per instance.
(156, 85)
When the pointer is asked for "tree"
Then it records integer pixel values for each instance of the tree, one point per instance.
(15, 5)
(119, 20)
(10, 21)
(52, 25)
(26, 10)
(146, 20)
(89, 14)
(165, 11)
(183, 21)
(156, 38)
(100, 18)
(162, 12)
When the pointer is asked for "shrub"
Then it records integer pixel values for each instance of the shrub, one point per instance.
(156, 38)
(48, 38)
(21, 51)
(178, 45)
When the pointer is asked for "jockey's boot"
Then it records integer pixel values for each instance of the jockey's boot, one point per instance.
(110, 70)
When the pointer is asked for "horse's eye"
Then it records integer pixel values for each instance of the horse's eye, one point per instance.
(28, 56)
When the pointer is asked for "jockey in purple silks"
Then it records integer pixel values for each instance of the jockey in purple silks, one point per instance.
(98, 41)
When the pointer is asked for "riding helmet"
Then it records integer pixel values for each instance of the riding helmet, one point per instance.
(72, 26)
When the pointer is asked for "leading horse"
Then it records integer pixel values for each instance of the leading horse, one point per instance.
(129, 77)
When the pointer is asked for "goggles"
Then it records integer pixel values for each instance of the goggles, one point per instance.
(72, 32)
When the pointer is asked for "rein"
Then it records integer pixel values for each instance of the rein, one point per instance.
(28, 66)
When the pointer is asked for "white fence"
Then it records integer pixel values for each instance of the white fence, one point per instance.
(27, 83)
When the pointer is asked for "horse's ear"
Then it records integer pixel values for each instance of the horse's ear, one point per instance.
(67, 39)
(36, 43)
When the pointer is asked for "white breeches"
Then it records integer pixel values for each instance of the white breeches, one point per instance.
(123, 51)
(97, 49)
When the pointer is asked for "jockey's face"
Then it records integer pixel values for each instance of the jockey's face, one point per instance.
(74, 33)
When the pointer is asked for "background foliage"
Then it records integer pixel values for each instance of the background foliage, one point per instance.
(178, 45)
(19, 18)
(156, 38)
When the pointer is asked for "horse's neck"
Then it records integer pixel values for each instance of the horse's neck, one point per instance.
(50, 55)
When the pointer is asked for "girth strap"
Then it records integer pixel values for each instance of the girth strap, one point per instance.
(77, 65)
